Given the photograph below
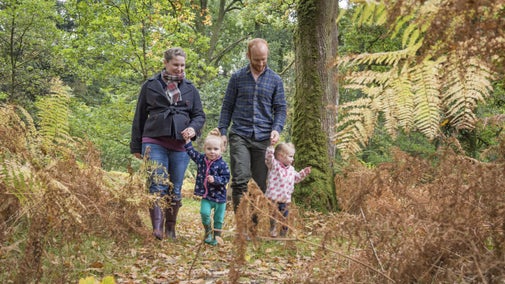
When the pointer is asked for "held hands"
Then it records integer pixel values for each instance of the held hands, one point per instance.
(274, 137)
(188, 133)
(225, 140)
(210, 179)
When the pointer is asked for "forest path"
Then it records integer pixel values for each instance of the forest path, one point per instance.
(189, 260)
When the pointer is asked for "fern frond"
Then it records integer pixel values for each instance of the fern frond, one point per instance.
(53, 111)
(468, 83)
(370, 13)
(380, 58)
(31, 133)
(404, 97)
(416, 92)
(19, 146)
(426, 86)
(356, 126)
(391, 95)
(413, 34)
(17, 130)
(17, 179)
(399, 24)
(364, 78)
(389, 107)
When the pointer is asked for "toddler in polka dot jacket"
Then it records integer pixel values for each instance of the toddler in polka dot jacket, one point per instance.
(281, 180)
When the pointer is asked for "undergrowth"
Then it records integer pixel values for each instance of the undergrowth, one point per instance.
(412, 220)
(54, 195)
(424, 221)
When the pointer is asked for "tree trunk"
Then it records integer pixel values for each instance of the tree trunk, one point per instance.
(315, 99)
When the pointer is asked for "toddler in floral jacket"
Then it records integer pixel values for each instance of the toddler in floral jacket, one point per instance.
(281, 180)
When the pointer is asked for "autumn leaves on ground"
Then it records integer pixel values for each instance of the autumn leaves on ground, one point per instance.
(413, 220)
(190, 260)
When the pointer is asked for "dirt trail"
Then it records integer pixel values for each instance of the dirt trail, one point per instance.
(189, 260)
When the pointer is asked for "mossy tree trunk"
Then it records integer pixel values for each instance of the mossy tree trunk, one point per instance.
(315, 101)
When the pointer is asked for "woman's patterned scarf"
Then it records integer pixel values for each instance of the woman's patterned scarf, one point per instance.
(172, 91)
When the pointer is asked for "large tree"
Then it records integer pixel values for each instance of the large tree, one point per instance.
(315, 100)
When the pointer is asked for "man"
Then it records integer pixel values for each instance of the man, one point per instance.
(255, 106)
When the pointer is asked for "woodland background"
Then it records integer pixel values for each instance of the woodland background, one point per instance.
(397, 105)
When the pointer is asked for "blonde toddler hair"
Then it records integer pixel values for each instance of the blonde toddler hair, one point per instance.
(215, 134)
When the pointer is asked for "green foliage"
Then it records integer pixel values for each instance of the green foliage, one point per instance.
(233, 23)
(111, 48)
(483, 141)
(28, 42)
(53, 114)
(108, 126)
(22, 184)
(116, 44)
(381, 146)
(212, 94)
(104, 50)
(371, 14)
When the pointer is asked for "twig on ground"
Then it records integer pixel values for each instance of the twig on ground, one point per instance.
(371, 242)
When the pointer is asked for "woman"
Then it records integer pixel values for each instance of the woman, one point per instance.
(169, 110)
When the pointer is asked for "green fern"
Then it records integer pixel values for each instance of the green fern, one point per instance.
(371, 12)
(53, 112)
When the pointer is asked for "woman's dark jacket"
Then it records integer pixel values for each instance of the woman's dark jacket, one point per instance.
(156, 117)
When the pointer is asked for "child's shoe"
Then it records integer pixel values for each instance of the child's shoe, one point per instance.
(209, 238)
(273, 229)
(211, 241)
(284, 232)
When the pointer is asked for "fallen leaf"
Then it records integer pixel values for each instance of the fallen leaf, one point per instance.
(96, 264)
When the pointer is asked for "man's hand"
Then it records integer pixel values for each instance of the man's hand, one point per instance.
(225, 140)
(274, 137)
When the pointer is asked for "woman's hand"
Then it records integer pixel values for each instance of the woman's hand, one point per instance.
(188, 133)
